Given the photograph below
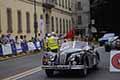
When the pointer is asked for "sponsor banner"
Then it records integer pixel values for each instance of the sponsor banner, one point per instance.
(10, 49)
(38, 45)
(18, 48)
(115, 61)
(7, 50)
(1, 51)
(14, 51)
(31, 46)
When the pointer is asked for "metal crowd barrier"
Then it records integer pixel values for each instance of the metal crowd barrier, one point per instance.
(10, 49)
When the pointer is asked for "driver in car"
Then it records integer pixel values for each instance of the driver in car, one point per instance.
(117, 44)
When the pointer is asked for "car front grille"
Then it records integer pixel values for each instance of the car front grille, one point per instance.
(62, 59)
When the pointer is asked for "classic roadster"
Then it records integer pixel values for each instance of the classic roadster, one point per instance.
(73, 55)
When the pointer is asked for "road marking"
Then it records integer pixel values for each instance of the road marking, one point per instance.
(24, 74)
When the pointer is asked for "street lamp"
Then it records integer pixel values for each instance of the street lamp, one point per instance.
(35, 20)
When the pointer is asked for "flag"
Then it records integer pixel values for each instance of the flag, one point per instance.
(70, 34)
(42, 27)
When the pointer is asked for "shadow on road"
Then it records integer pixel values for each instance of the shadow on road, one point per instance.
(74, 74)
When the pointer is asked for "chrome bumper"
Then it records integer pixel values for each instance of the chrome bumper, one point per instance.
(63, 67)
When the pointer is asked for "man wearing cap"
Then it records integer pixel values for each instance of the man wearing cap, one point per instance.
(52, 45)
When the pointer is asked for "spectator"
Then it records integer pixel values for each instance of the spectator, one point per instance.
(33, 39)
(21, 39)
(17, 40)
(24, 38)
(11, 38)
(23, 43)
(40, 38)
(4, 39)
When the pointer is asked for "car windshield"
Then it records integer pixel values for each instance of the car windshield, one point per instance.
(66, 45)
(73, 44)
(80, 44)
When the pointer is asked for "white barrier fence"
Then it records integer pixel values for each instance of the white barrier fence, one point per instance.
(9, 49)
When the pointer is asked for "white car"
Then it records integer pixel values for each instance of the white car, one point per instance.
(107, 38)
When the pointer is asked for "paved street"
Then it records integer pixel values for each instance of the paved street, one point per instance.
(17, 67)
(29, 25)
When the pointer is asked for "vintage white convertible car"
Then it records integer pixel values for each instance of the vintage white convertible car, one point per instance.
(73, 55)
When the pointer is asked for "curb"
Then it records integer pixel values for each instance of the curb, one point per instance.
(4, 58)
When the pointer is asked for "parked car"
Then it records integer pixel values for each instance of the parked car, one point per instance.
(106, 38)
(73, 55)
(110, 43)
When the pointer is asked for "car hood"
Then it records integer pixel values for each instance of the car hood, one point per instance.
(67, 51)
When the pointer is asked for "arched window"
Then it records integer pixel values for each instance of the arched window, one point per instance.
(63, 25)
(19, 21)
(52, 23)
(66, 25)
(28, 22)
(63, 3)
(60, 25)
(56, 24)
(9, 20)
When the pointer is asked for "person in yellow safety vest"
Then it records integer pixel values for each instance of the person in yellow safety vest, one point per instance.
(52, 44)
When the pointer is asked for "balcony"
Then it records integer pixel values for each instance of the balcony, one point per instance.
(48, 4)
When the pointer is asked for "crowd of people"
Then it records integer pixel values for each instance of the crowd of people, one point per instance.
(59, 38)
(9, 39)
(53, 41)
(47, 40)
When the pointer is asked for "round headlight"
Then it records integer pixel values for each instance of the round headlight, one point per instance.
(74, 63)
(52, 58)
(72, 59)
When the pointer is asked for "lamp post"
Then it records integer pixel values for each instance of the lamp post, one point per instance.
(35, 20)
(90, 15)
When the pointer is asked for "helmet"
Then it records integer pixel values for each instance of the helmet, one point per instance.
(49, 35)
(53, 34)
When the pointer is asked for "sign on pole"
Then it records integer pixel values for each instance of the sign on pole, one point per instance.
(115, 61)
(42, 27)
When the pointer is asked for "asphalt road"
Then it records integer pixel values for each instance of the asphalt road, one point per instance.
(16, 67)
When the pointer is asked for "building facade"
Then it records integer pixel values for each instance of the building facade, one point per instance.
(17, 16)
(81, 16)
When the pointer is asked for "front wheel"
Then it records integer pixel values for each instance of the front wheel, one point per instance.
(83, 72)
(49, 73)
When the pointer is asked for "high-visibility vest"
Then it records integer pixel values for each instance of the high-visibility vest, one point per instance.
(52, 43)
